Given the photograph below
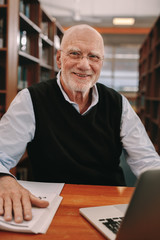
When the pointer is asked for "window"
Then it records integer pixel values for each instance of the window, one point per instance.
(120, 68)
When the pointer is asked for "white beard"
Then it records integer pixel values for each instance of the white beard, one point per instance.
(78, 86)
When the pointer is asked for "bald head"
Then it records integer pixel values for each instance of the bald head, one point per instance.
(82, 32)
(80, 60)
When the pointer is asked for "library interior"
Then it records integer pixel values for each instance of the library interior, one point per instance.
(30, 35)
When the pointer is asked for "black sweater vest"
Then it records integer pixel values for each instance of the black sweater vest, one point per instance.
(73, 148)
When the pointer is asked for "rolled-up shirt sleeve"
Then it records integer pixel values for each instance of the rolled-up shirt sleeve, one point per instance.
(17, 128)
(140, 152)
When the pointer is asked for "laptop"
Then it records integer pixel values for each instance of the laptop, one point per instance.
(138, 220)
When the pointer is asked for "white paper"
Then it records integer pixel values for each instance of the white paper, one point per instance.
(42, 217)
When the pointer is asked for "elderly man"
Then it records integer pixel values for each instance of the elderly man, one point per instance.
(74, 128)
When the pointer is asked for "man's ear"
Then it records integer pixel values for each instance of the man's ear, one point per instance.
(58, 59)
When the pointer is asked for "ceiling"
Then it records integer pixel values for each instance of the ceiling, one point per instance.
(100, 13)
(122, 43)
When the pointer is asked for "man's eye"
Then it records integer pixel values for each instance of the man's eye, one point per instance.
(74, 54)
(93, 57)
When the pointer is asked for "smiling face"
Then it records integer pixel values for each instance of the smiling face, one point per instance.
(80, 74)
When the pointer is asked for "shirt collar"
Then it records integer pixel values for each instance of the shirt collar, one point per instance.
(95, 95)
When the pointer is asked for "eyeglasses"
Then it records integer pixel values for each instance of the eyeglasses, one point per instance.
(77, 56)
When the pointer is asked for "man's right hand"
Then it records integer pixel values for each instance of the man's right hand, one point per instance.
(16, 200)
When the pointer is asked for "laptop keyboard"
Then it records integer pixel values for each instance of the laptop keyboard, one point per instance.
(112, 223)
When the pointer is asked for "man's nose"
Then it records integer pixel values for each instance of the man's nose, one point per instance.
(84, 63)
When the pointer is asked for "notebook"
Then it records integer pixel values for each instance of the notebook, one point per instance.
(138, 220)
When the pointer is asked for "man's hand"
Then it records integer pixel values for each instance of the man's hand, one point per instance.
(16, 200)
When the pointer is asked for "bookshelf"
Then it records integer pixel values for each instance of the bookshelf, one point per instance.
(148, 101)
(8, 53)
(27, 47)
(46, 44)
(58, 34)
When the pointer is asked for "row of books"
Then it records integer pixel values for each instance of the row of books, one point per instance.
(23, 81)
(2, 106)
(47, 30)
(44, 49)
(45, 75)
(45, 52)
(44, 28)
(22, 77)
(24, 8)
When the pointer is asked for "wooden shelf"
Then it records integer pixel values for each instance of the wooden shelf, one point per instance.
(30, 59)
(46, 40)
(43, 65)
(25, 21)
(4, 49)
(3, 91)
(2, 6)
(149, 84)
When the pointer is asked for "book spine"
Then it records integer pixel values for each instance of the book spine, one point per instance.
(1, 33)
(22, 77)
(2, 2)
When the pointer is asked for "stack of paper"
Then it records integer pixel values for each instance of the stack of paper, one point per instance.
(42, 217)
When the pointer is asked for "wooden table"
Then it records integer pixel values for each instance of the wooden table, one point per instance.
(68, 223)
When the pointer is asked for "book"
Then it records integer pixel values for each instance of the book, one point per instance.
(24, 8)
(22, 77)
(21, 6)
(44, 28)
(27, 10)
(45, 75)
(42, 217)
(1, 33)
(2, 2)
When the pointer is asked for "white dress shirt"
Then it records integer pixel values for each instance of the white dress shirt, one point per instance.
(17, 128)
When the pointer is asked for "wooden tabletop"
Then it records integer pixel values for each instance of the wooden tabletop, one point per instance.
(68, 223)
